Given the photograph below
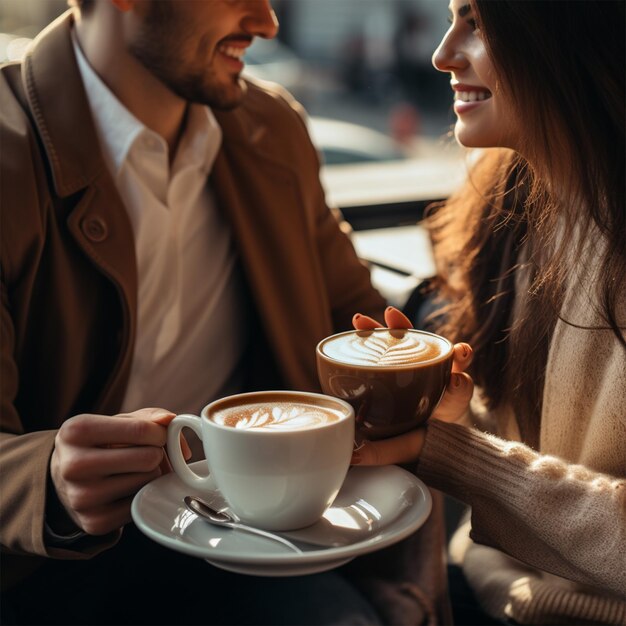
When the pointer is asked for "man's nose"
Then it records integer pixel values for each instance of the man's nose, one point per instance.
(260, 19)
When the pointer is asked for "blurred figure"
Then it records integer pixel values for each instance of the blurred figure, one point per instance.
(368, 57)
(421, 85)
(412, 53)
(405, 124)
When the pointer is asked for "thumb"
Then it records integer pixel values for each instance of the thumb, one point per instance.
(456, 398)
(154, 414)
(404, 448)
(162, 417)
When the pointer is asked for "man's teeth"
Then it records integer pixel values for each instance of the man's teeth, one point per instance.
(472, 96)
(231, 51)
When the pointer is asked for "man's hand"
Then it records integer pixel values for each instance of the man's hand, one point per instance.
(406, 448)
(99, 463)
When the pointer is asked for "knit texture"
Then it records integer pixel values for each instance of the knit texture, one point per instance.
(549, 526)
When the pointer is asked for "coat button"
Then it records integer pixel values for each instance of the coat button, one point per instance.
(95, 228)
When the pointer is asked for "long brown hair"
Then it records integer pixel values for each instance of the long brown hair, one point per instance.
(502, 243)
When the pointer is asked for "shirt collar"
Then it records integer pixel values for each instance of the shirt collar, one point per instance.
(118, 128)
(201, 140)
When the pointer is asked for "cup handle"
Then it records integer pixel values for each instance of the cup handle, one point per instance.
(175, 453)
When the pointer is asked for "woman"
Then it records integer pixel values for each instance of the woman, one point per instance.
(532, 266)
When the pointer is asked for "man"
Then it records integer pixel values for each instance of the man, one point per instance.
(165, 241)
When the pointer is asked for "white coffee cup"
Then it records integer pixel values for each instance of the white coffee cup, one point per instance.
(279, 458)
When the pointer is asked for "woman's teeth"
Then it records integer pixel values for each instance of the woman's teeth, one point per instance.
(472, 96)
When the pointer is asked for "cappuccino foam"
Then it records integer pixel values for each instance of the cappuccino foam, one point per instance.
(384, 348)
(276, 416)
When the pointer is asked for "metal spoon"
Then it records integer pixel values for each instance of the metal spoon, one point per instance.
(222, 518)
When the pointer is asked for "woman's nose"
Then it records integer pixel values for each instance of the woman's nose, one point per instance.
(448, 57)
(261, 20)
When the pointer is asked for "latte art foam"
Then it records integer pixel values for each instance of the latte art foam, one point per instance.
(384, 348)
(275, 416)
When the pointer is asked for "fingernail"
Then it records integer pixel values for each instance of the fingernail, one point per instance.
(356, 458)
(158, 413)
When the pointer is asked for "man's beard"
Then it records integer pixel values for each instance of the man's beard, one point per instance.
(161, 35)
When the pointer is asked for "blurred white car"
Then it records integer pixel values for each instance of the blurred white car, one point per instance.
(343, 142)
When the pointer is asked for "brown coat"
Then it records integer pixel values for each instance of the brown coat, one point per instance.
(69, 277)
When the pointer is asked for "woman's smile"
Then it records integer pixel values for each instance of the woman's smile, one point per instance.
(468, 97)
(485, 117)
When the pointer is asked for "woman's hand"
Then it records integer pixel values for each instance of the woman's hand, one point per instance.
(406, 448)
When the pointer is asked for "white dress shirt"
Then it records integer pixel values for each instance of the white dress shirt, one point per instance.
(192, 323)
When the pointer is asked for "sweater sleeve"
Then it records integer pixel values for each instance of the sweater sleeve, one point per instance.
(558, 517)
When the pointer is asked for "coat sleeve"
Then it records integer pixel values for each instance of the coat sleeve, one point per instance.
(24, 460)
(25, 450)
(24, 468)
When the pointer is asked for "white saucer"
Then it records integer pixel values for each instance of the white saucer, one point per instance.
(376, 507)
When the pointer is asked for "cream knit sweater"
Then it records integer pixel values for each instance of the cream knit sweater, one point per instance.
(548, 528)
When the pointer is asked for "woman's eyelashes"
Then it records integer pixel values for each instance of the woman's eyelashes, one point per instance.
(471, 22)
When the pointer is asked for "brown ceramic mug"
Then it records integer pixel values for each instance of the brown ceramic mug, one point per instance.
(394, 379)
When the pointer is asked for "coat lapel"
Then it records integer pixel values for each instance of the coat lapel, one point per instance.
(64, 123)
(98, 222)
(101, 228)
(262, 198)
